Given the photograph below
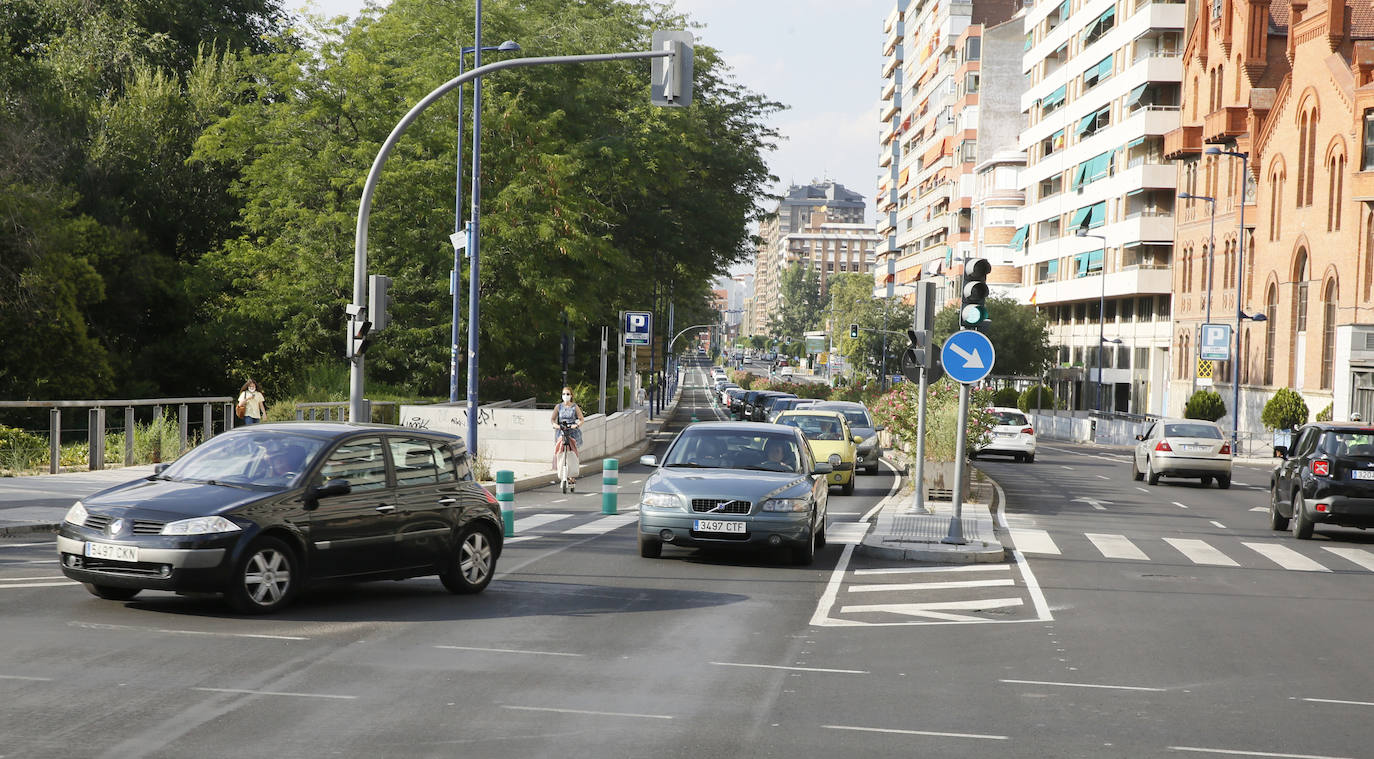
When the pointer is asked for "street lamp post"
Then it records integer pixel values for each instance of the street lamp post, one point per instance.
(507, 46)
(1240, 304)
(1211, 253)
(1101, 309)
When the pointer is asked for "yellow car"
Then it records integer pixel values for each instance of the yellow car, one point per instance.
(831, 441)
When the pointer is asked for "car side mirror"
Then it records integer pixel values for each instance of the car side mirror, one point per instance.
(648, 460)
(314, 493)
(858, 438)
(879, 428)
(1139, 437)
(823, 467)
(160, 468)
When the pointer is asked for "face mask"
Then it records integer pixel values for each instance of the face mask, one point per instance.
(567, 397)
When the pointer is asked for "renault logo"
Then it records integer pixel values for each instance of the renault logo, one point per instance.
(116, 526)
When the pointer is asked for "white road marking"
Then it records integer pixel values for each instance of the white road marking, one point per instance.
(22, 677)
(1357, 555)
(936, 610)
(537, 520)
(26, 545)
(132, 628)
(1259, 508)
(1065, 466)
(1103, 477)
(10, 586)
(1181, 506)
(926, 570)
(1096, 504)
(1200, 552)
(821, 616)
(931, 585)
(1116, 546)
(1033, 541)
(1237, 752)
(932, 733)
(560, 500)
(1242, 484)
(523, 538)
(846, 533)
(592, 494)
(31, 579)
(1084, 685)
(1339, 701)
(602, 525)
(507, 651)
(792, 669)
(275, 693)
(1143, 490)
(1285, 557)
(584, 711)
(1217, 524)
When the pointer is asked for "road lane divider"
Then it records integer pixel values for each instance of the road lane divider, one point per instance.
(508, 651)
(792, 669)
(247, 692)
(588, 712)
(931, 733)
(1084, 685)
(610, 485)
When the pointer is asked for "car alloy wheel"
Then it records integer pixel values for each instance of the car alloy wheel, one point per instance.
(1277, 521)
(1151, 476)
(472, 566)
(1301, 524)
(263, 582)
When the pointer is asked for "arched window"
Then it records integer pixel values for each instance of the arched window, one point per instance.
(1302, 155)
(1333, 214)
(1221, 83)
(1249, 263)
(1328, 332)
(1271, 313)
(1300, 293)
(1192, 116)
(1310, 180)
(1245, 358)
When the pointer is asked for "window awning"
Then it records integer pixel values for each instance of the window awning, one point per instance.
(1135, 142)
(1054, 98)
(1094, 215)
(1018, 240)
(1065, 9)
(1088, 262)
(933, 268)
(903, 177)
(938, 149)
(1085, 123)
(1136, 94)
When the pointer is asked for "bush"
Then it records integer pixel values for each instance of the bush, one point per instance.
(898, 411)
(20, 450)
(1006, 397)
(743, 379)
(1325, 414)
(1205, 404)
(1284, 411)
(1037, 397)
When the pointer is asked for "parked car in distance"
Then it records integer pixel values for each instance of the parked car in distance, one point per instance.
(258, 512)
(735, 403)
(831, 441)
(786, 404)
(1188, 448)
(727, 483)
(861, 424)
(753, 403)
(1326, 477)
(770, 402)
(1011, 435)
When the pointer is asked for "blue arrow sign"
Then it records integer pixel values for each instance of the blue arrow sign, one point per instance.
(967, 356)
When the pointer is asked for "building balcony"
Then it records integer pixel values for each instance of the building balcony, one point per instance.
(1183, 142)
(1224, 124)
(889, 110)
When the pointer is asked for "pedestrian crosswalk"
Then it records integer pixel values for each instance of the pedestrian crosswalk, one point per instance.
(537, 525)
(1212, 552)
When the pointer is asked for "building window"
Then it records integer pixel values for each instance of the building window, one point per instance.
(1300, 295)
(1100, 26)
(1302, 157)
(1335, 189)
(971, 84)
(1088, 125)
(1216, 9)
(1097, 72)
(1328, 332)
(1367, 162)
(973, 48)
(1271, 312)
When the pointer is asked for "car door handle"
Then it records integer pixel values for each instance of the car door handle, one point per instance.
(386, 508)
(447, 501)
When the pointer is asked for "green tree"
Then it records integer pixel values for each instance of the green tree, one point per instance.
(1284, 410)
(1205, 404)
(799, 287)
(851, 298)
(1019, 334)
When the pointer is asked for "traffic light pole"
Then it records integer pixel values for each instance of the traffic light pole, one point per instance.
(956, 520)
(918, 503)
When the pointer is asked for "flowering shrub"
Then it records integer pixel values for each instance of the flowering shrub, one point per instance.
(898, 411)
(743, 379)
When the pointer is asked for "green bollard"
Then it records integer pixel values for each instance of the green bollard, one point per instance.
(610, 485)
(695, 419)
(505, 495)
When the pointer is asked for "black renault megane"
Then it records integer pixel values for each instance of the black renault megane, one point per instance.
(260, 511)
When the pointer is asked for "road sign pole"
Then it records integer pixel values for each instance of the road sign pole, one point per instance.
(918, 503)
(956, 524)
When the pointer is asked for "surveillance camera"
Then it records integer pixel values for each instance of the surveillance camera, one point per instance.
(353, 309)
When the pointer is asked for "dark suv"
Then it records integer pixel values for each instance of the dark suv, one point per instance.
(1327, 477)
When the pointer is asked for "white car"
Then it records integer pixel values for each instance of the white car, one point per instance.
(1012, 435)
(1183, 448)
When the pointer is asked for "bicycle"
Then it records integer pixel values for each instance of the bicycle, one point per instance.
(565, 458)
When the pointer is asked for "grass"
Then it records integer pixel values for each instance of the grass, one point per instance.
(23, 452)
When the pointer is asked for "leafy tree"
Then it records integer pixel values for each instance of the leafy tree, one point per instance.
(1019, 334)
(1284, 410)
(1005, 397)
(851, 298)
(799, 287)
(1205, 404)
(1036, 397)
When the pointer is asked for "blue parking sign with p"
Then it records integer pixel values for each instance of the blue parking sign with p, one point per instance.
(638, 327)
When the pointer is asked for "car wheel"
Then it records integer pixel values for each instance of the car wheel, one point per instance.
(1207, 481)
(110, 593)
(264, 580)
(848, 487)
(1136, 474)
(650, 548)
(471, 568)
(805, 552)
(820, 537)
(1301, 524)
(972, 455)
(1277, 521)
(1151, 476)
(1224, 481)
(1030, 458)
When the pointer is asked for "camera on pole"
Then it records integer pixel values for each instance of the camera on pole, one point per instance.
(974, 311)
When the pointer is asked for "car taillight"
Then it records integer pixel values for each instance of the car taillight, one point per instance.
(1163, 445)
(1321, 468)
(491, 499)
(1027, 430)
(1225, 449)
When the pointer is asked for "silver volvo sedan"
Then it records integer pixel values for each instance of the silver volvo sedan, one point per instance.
(728, 483)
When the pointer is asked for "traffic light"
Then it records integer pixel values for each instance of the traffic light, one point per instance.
(974, 310)
(671, 76)
(379, 301)
(854, 331)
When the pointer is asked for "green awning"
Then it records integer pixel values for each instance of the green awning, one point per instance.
(1079, 217)
(1136, 141)
(1134, 97)
(1064, 9)
(1085, 123)
(1018, 240)
(1097, 214)
(1088, 262)
(1054, 98)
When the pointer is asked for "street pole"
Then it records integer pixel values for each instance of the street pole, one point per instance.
(601, 385)
(457, 230)
(1240, 311)
(474, 237)
(620, 365)
(918, 503)
(956, 523)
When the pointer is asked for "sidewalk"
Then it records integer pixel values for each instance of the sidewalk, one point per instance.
(900, 533)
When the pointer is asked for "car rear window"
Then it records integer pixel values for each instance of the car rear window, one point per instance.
(1009, 417)
(1192, 430)
(1354, 443)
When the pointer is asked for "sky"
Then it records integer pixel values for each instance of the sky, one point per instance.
(821, 58)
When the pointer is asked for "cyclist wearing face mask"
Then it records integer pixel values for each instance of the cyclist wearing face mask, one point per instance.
(565, 461)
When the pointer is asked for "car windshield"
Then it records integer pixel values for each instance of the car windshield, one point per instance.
(1009, 417)
(735, 449)
(815, 427)
(1354, 443)
(856, 417)
(1192, 430)
(260, 459)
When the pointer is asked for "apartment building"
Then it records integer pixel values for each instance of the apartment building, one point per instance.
(833, 236)
(928, 135)
(1102, 88)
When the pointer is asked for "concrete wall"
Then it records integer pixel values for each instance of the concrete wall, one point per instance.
(517, 434)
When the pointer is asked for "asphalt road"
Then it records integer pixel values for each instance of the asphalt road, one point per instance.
(582, 648)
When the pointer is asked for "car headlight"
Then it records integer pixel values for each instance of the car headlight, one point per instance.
(661, 501)
(835, 459)
(786, 504)
(199, 526)
(76, 514)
